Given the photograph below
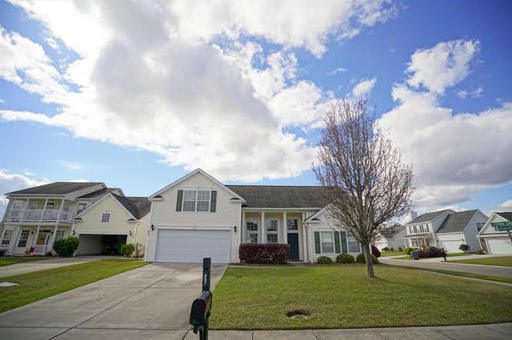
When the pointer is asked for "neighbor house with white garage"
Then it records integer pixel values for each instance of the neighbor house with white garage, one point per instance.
(110, 222)
(198, 216)
(446, 229)
(492, 238)
(391, 236)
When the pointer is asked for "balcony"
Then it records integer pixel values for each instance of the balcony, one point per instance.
(38, 216)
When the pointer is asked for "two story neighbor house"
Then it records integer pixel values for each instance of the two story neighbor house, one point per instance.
(198, 216)
(493, 240)
(445, 229)
(391, 236)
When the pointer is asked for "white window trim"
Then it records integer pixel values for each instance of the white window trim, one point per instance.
(249, 232)
(109, 216)
(296, 231)
(197, 189)
(271, 232)
(333, 242)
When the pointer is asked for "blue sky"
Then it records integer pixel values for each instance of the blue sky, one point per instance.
(138, 95)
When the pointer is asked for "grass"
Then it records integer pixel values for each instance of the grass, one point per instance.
(392, 253)
(44, 283)
(505, 261)
(340, 296)
(6, 261)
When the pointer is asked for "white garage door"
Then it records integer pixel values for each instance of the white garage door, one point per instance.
(175, 245)
(451, 246)
(499, 245)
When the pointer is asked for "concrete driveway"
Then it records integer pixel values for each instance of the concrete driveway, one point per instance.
(149, 302)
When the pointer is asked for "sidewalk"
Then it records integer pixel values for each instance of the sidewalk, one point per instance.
(466, 332)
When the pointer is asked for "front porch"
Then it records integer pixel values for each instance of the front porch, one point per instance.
(31, 239)
(420, 241)
(272, 226)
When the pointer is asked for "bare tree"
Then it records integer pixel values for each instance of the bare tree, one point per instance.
(364, 180)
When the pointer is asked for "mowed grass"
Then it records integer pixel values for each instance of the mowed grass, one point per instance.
(44, 283)
(505, 261)
(392, 253)
(341, 296)
(6, 261)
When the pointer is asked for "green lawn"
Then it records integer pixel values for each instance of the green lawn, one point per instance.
(392, 253)
(44, 283)
(505, 261)
(340, 296)
(5, 261)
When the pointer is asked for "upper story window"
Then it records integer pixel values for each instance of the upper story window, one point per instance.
(479, 226)
(81, 207)
(196, 200)
(415, 229)
(203, 200)
(252, 232)
(272, 226)
(18, 204)
(105, 217)
(50, 204)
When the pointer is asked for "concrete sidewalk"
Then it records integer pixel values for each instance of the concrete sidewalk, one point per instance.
(455, 267)
(56, 262)
(490, 331)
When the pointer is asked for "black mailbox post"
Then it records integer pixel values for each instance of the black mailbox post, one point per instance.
(201, 307)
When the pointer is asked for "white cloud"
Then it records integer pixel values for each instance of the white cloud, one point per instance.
(443, 65)
(454, 155)
(505, 206)
(11, 182)
(463, 94)
(363, 88)
(71, 165)
(337, 71)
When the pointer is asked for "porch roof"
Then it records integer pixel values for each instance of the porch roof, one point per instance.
(56, 188)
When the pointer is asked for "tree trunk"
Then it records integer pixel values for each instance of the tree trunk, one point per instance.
(368, 259)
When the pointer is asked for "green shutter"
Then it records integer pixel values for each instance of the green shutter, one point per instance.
(317, 242)
(213, 201)
(344, 242)
(179, 200)
(337, 242)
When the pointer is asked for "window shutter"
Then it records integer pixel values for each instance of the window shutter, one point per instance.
(317, 242)
(344, 242)
(213, 201)
(179, 201)
(337, 242)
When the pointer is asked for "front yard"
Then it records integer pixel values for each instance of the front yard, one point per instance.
(505, 261)
(340, 296)
(6, 261)
(44, 283)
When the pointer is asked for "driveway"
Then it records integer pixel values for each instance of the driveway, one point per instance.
(148, 302)
(56, 262)
(456, 267)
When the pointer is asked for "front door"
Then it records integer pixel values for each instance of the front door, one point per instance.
(293, 242)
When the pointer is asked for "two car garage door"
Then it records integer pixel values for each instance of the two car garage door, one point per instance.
(499, 245)
(185, 245)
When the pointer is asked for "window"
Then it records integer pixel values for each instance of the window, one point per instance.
(189, 200)
(327, 242)
(415, 229)
(252, 232)
(81, 207)
(479, 226)
(50, 204)
(353, 244)
(203, 200)
(59, 235)
(23, 238)
(272, 226)
(18, 204)
(105, 217)
(292, 224)
(6, 240)
(426, 228)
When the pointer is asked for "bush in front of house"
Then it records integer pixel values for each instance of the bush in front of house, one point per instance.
(408, 250)
(264, 253)
(375, 251)
(464, 247)
(431, 252)
(324, 260)
(127, 249)
(385, 249)
(400, 249)
(345, 258)
(66, 247)
(360, 259)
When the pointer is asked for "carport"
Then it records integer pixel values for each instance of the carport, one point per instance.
(100, 244)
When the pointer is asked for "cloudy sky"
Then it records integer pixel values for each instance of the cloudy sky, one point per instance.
(136, 94)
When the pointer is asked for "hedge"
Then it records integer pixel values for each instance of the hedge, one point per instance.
(264, 253)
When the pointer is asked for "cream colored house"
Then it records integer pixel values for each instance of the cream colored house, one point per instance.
(110, 222)
(36, 217)
(197, 216)
(493, 240)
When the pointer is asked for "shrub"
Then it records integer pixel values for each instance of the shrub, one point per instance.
(127, 249)
(324, 260)
(345, 258)
(408, 250)
(385, 249)
(360, 259)
(464, 247)
(400, 249)
(391, 249)
(264, 253)
(66, 247)
(375, 251)
(431, 252)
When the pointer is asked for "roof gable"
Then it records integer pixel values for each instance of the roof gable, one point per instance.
(137, 206)
(429, 216)
(456, 222)
(506, 215)
(56, 188)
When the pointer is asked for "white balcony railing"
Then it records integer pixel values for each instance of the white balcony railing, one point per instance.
(38, 215)
(41, 249)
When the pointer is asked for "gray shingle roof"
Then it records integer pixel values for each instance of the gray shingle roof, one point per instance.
(505, 215)
(428, 216)
(137, 206)
(270, 196)
(99, 193)
(456, 222)
(56, 188)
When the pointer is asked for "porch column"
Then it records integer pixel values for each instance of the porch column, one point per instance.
(35, 237)
(285, 228)
(262, 229)
(52, 240)
(15, 241)
(243, 232)
(60, 210)
(305, 250)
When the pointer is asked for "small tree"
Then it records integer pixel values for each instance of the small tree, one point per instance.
(364, 181)
(464, 247)
(66, 247)
(127, 249)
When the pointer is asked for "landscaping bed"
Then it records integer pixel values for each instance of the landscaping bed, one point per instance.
(341, 296)
(44, 283)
